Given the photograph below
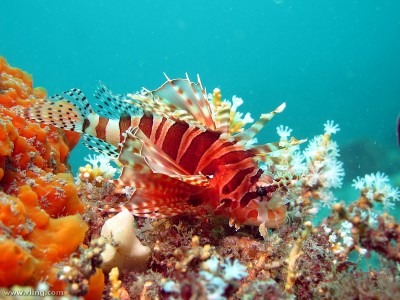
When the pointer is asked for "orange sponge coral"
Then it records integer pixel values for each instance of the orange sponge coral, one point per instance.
(40, 224)
(16, 263)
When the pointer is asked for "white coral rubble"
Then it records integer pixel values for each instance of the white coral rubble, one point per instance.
(123, 249)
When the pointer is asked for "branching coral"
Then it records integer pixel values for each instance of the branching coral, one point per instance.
(294, 254)
(215, 278)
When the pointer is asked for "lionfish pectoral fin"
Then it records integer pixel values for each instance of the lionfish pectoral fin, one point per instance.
(151, 158)
(159, 195)
(111, 105)
(245, 136)
(156, 158)
(156, 194)
(67, 110)
(197, 180)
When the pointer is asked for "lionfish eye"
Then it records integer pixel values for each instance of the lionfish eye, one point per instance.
(261, 191)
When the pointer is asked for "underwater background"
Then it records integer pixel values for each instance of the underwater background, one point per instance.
(328, 60)
(331, 60)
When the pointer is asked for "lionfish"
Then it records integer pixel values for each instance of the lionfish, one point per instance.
(177, 151)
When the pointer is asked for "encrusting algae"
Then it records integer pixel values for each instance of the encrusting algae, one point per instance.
(53, 235)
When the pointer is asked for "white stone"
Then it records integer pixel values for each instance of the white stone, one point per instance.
(123, 249)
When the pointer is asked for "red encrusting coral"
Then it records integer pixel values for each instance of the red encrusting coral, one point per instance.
(40, 221)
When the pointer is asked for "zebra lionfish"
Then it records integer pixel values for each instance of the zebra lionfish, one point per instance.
(177, 150)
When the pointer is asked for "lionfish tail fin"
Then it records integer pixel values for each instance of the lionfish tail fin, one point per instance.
(245, 136)
(67, 110)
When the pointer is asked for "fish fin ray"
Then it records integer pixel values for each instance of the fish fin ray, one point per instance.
(245, 136)
(177, 99)
(66, 111)
(156, 194)
(222, 117)
(149, 155)
(100, 146)
(189, 96)
(262, 151)
(112, 105)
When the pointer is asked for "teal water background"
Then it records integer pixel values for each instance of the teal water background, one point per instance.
(328, 60)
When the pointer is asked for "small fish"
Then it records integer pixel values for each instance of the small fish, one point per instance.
(176, 150)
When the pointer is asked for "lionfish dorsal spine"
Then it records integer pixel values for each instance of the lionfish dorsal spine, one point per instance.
(182, 94)
(223, 117)
(245, 136)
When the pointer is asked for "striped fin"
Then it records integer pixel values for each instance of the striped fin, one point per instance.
(183, 100)
(158, 160)
(155, 157)
(261, 151)
(156, 202)
(184, 94)
(222, 116)
(100, 146)
(111, 105)
(146, 102)
(156, 194)
(68, 112)
(246, 135)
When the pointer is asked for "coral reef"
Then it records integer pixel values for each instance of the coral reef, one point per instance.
(78, 272)
(40, 221)
(50, 225)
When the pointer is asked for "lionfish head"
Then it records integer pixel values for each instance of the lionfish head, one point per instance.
(268, 202)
